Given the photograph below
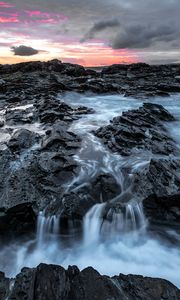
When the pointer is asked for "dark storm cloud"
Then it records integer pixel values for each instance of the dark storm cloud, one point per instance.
(138, 36)
(100, 26)
(141, 24)
(24, 51)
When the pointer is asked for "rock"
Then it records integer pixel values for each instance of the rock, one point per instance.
(158, 185)
(137, 80)
(163, 212)
(177, 78)
(17, 221)
(139, 129)
(1, 123)
(23, 139)
(58, 138)
(170, 88)
(161, 178)
(75, 204)
(50, 282)
(17, 116)
(4, 286)
(116, 69)
(2, 83)
(53, 65)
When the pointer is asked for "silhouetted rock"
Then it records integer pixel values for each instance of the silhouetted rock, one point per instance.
(50, 282)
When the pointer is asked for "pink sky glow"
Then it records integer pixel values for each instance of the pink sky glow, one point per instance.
(39, 29)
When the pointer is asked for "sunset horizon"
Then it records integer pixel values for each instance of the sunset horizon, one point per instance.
(103, 34)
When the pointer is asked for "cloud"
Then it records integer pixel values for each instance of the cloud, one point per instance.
(24, 50)
(8, 19)
(5, 5)
(99, 26)
(137, 25)
(137, 36)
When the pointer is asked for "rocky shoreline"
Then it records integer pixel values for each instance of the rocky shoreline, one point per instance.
(37, 150)
(135, 80)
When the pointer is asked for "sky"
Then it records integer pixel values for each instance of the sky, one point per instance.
(90, 32)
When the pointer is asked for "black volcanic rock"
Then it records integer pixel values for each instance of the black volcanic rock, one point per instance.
(74, 204)
(50, 66)
(22, 139)
(163, 212)
(4, 286)
(137, 80)
(139, 129)
(19, 117)
(17, 221)
(50, 282)
(37, 174)
(161, 177)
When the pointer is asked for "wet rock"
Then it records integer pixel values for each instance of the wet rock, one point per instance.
(54, 282)
(50, 110)
(4, 286)
(171, 88)
(177, 78)
(163, 212)
(79, 200)
(82, 110)
(23, 139)
(104, 188)
(31, 174)
(17, 116)
(58, 138)
(139, 129)
(17, 221)
(161, 177)
(2, 82)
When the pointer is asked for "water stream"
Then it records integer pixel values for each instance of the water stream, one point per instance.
(115, 244)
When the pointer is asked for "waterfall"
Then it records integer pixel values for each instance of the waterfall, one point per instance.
(92, 224)
(47, 228)
(101, 224)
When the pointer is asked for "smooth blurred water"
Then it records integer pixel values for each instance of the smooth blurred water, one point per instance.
(120, 246)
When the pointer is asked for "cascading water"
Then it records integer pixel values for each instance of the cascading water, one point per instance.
(114, 236)
(47, 229)
(99, 224)
(92, 224)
